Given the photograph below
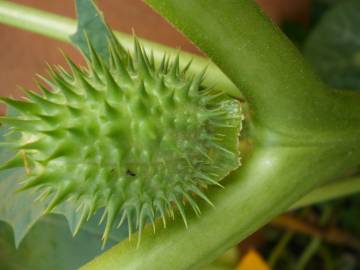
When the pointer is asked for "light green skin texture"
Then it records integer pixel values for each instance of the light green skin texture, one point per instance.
(135, 139)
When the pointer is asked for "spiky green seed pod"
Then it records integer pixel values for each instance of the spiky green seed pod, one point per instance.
(136, 139)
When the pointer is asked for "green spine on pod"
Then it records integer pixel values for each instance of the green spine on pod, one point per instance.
(136, 139)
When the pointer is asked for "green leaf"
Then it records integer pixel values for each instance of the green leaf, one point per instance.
(16, 208)
(22, 211)
(50, 245)
(333, 47)
(91, 21)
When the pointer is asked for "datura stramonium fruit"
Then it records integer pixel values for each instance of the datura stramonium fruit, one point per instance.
(137, 139)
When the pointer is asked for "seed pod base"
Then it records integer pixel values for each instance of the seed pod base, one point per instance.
(137, 139)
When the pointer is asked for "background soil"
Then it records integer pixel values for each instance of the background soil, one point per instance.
(23, 54)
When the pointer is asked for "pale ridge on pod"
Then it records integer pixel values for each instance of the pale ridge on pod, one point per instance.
(135, 139)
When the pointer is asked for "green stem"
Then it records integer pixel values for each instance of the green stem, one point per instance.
(280, 247)
(60, 28)
(314, 244)
(330, 191)
(37, 21)
(286, 98)
(309, 252)
(327, 258)
(252, 196)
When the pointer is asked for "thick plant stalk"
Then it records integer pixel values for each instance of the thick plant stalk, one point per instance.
(261, 189)
(283, 92)
(330, 191)
(60, 28)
